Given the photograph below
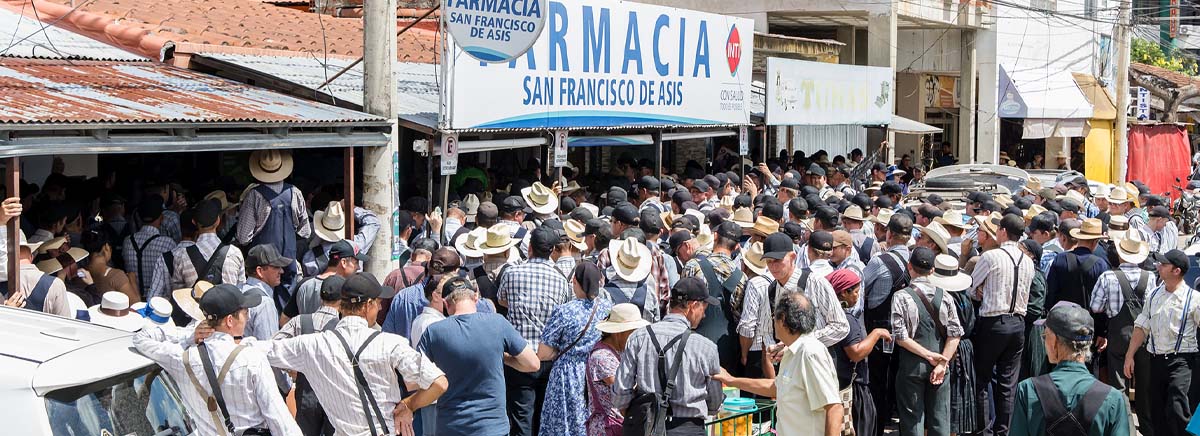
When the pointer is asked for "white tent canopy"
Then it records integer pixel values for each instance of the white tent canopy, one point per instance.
(904, 125)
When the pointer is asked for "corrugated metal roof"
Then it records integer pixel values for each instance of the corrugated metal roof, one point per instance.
(62, 91)
(416, 83)
(22, 36)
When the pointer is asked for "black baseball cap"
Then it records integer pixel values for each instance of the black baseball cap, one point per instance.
(678, 238)
(729, 230)
(592, 226)
(1069, 320)
(790, 183)
(206, 213)
(815, 169)
(777, 245)
(666, 184)
(544, 238)
(821, 240)
(879, 166)
(649, 183)
(793, 230)
(514, 203)
(681, 196)
(700, 185)
(693, 289)
(1041, 223)
(1173, 257)
(266, 255)
(331, 288)
(225, 299)
(581, 214)
(344, 249)
(922, 258)
(1069, 205)
(361, 287)
(900, 224)
(616, 195)
(626, 214)
(1159, 212)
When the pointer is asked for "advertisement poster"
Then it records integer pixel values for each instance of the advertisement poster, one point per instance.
(817, 93)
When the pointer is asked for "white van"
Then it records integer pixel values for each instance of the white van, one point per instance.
(65, 377)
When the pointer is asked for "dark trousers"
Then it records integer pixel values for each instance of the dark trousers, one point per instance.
(1172, 393)
(526, 390)
(1140, 383)
(863, 412)
(1002, 340)
(309, 415)
(922, 406)
(883, 387)
(685, 427)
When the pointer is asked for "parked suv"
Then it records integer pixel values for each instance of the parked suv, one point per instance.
(63, 377)
(954, 182)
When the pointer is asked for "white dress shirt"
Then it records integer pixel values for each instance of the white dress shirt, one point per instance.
(832, 325)
(250, 391)
(323, 360)
(807, 382)
(1162, 316)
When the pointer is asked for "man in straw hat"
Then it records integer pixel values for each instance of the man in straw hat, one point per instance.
(727, 284)
(1167, 327)
(628, 278)
(759, 279)
(1000, 281)
(927, 330)
(39, 291)
(954, 223)
(273, 212)
(934, 237)
(1123, 202)
(1120, 295)
(329, 225)
(861, 228)
(1074, 273)
(245, 388)
(208, 258)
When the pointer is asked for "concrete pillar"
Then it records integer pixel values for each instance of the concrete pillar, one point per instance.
(881, 52)
(760, 21)
(966, 97)
(379, 179)
(846, 35)
(987, 145)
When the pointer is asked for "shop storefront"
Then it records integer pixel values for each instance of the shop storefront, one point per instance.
(1099, 145)
(1044, 117)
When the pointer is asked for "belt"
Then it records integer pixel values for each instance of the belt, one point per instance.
(257, 432)
(1166, 356)
(1002, 315)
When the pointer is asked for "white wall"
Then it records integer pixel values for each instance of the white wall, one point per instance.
(928, 50)
(1028, 42)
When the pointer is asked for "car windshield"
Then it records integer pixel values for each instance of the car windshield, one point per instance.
(141, 403)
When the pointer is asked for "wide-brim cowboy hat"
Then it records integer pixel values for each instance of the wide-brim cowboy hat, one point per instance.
(630, 258)
(271, 166)
(51, 266)
(938, 234)
(854, 212)
(498, 240)
(743, 217)
(947, 276)
(574, 230)
(764, 227)
(622, 318)
(1091, 229)
(952, 218)
(541, 199)
(468, 244)
(754, 260)
(1132, 250)
(188, 299)
(330, 224)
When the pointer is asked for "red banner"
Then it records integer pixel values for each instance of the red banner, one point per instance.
(1157, 155)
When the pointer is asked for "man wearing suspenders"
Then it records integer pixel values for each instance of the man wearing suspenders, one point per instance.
(246, 400)
(39, 291)
(208, 259)
(273, 213)
(309, 413)
(1167, 326)
(144, 250)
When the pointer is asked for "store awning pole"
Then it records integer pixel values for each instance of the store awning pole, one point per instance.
(348, 190)
(14, 226)
(658, 151)
(445, 195)
(429, 167)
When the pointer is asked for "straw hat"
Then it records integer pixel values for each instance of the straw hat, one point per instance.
(947, 276)
(1062, 154)
(595, 210)
(1118, 227)
(51, 266)
(131, 321)
(1033, 185)
(471, 203)
(1092, 228)
(574, 230)
(753, 259)
(952, 218)
(1102, 190)
(854, 212)
(571, 186)
(630, 258)
(727, 203)
(668, 218)
(1033, 211)
(764, 226)
(1004, 200)
(622, 318)
(884, 216)
(188, 299)
(696, 213)
(468, 244)
(497, 240)
(1133, 249)
(52, 244)
(875, 186)
(222, 200)
(1074, 195)
(270, 166)
(744, 217)
(330, 224)
(541, 199)
(938, 234)
(1120, 195)
(32, 246)
(704, 238)
(988, 223)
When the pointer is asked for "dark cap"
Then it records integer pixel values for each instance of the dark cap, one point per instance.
(1155, 200)
(815, 169)
(649, 183)
(225, 299)
(693, 289)
(827, 215)
(544, 238)
(1069, 205)
(626, 214)
(700, 185)
(1173, 257)
(616, 195)
(150, 208)
(821, 240)
(776, 246)
(1041, 223)
(979, 197)
(889, 188)
(1159, 212)
(513, 203)
(712, 181)
(581, 214)
(592, 226)
(900, 224)
(793, 230)
(206, 213)
(729, 230)
(879, 166)
(344, 249)
(361, 287)
(666, 184)
(331, 288)
(677, 239)
(790, 183)
(681, 196)
(1069, 321)
(922, 258)
(991, 206)
(265, 255)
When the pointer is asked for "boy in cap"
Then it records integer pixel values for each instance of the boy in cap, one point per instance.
(264, 271)
(1165, 234)
(649, 189)
(343, 260)
(1045, 403)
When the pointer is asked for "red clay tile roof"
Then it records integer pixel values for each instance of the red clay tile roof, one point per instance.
(1178, 79)
(241, 23)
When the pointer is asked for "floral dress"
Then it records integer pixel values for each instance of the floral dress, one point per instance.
(602, 364)
(564, 411)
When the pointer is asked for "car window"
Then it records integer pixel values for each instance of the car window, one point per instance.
(145, 403)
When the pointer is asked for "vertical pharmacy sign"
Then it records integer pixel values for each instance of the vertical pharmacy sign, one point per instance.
(494, 30)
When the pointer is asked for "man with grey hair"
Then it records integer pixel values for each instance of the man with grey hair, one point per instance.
(807, 385)
(1040, 408)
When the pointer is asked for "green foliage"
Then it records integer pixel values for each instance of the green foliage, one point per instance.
(1150, 53)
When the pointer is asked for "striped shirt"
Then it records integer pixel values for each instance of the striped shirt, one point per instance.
(319, 318)
(531, 290)
(992, 281)
(756, 297)
(322, 358)
(1161, 318)
(906, 313)
(832, 325)
(1107, 296)
(1166, 239)
(233, 271)
(250, 391)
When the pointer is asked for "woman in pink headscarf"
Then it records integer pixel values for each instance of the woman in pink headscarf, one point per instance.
(850, 355)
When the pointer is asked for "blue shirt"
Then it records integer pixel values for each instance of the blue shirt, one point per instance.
(409, 302)
(1062, 285)
(470, 349)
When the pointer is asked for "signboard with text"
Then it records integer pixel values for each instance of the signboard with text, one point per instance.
(818, 93)
(604, 63)
(494, 30)
(1143, 103)
(560, 148)
(449, 153)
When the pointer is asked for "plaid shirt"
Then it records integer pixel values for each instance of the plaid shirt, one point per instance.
(531, 290)
(1107, 297)
(628, 288)
(255, 209)
(233, 271)
(723, 266)
(154, 266)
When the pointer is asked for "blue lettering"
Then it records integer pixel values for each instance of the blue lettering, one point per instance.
(534, 9)
(662, 68)
(682, 42)
(558, 36)
(633, 45)
(525, 84)
(597, 44)
(701, 51)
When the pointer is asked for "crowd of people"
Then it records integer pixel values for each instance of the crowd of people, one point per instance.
(633, 304)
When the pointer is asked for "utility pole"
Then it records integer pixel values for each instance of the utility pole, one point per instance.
(379, 184)
(1121, 155)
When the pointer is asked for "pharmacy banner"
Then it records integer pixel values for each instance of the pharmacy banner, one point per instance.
(605, 63)
(818, 93)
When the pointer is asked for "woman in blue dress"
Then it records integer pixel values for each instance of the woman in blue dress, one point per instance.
(569, 335)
